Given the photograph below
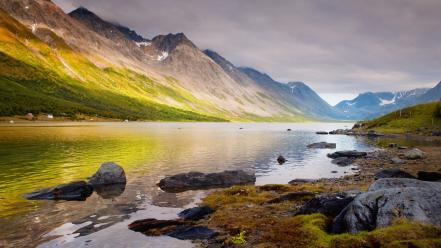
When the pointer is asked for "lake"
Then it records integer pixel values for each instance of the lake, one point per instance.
(39, 155)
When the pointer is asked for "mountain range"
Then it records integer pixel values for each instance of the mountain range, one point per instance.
(374, 104)
(78, 63)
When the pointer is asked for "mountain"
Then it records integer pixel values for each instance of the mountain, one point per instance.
(78, 63)
(370, 105)
(432, 95)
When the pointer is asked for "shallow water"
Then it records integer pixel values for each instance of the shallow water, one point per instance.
(42, 155)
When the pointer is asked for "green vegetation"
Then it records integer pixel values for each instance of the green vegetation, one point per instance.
(243, 210)
(412, 119)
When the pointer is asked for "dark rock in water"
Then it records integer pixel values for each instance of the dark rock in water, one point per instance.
(392, 173)
(343, 161)
(329, 204)
(187, 232)
(195, 213)
(281, 159)
(349, 154)
(109, 191)
(196, 180)
(429, 176)
(321, 132)
(289, 129)
(75, 191)
(334, 172)
(322, 145)
(154, 227)
(108, 173)
(380, 206)
(292, 196)
(301, 180)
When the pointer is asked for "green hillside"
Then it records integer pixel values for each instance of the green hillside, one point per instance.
(50, 77)
(423, 117)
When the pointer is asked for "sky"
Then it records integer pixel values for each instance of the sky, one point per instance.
(339, 48)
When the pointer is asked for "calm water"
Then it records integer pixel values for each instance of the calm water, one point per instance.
(34, 157)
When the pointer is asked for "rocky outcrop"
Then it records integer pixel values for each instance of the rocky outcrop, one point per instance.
(329, 204)
(292, 196)
(348, 154)
(414, 153)
(322, 145)
(392, 173)
(197, 180)
(195, 213)
(108, 173)
(389, 199)
(75, 191)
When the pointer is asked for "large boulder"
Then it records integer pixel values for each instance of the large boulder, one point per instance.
(349, 154)
(75, 191)
(196, 180)
(414, 153)
(322, 145)
(108, 173)
(389, 199)
(392, 173)
(329, 204)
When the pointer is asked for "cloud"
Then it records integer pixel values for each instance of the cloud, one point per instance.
(337, 47)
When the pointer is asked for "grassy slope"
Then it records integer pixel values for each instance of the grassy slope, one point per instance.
(411, 119)
(36, 77)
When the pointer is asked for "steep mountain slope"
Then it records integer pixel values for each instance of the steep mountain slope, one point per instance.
(370, 105)
(432, 95)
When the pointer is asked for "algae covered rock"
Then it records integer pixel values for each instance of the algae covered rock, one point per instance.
(108, 173)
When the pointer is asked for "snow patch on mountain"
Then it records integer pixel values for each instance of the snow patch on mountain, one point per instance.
(386, 102)
(143, 44)
(163, 56)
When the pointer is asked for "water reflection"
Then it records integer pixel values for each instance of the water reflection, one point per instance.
(38, 157)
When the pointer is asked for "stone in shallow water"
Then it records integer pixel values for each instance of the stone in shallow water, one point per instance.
(195, 213)
(349, 154)
(188, 232)
(322, 145)
(343, 161)
(281, 159)
(75, 191)
(196, 180)
(154, 227)
(301, 180)
(108, 173)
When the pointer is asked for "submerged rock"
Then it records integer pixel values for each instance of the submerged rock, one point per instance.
(188, 232)
(392, 173)
(154, 227)
(329, 204)
(196, 180)
(414, 153)
(109, 191)
(349, 154)
(108, 173)
(321, 132)
(195, 213)
(389, 199)
(322, 145)
(75, 191)
(343, 161)
(281, 159)
(301, 180)
(429, 176)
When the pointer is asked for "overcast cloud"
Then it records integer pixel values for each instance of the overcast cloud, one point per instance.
(339, 48)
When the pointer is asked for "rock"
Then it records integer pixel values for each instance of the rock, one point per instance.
(392, 173)
(392, 145)
(402, 147)
(321, 132)
(357, 125)
(292, 196)
(108, 173)
(196, 180)
(301, 180)
(334, 172)
(329, 204)
(195, 213)
(322, 145)
(349, 154)
(186, 232)
(75, 191)
(429, 176)
(388, 183)
(109, 191)
(343, 161)
(436, 133)
(414, 153)
(396, 160)
(379, 208)
(372, 133)
(281, 159)
(289, 129)
(154, 227)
